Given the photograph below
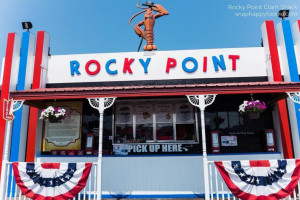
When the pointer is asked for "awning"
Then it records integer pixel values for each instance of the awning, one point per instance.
(40, 95)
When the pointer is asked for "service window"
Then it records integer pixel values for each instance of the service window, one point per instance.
(168, 120)
(144, 123)
(237, 132)
(164, 122)
(185, 120)
(123, 124)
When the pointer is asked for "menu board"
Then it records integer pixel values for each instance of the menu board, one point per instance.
(124, 114)
(89, 142)
(164, 113)
(184, 113)
(215, 139)
(67, 134)
(144, 114)
(270, 139)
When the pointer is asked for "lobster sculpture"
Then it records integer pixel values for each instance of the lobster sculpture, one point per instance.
(148, 22)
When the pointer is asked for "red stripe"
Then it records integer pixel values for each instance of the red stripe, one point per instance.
(50, 165)
(68, 195)
(33, 112)
(285, 129)
(243, 195)
(281, 105)
(259, 163)
(5, 87)
(273, 51)
(298, 24)
(36, 82)
(32, 126)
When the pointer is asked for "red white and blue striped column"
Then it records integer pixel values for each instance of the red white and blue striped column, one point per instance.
(20, 123)
(289, 66)
(39, 80)
(296, 37)
(274, 74)
(9, 82)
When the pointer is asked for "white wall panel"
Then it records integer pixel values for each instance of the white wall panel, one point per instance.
(155, 175)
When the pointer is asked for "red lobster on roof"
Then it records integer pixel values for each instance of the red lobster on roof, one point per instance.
(148, 22)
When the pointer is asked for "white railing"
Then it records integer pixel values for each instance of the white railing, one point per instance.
(88, 193)
(218, 189)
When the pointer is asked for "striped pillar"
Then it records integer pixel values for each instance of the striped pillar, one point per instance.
(290, 69)
(39, 77)
(296, 37)
(9, 82)
(274, 74)
(20, 123)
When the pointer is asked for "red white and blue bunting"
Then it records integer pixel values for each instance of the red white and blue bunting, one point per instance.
(261, 179)
(51, 181)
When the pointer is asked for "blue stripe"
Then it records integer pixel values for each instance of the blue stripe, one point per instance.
(160, 155)
(58, 180)
(292, 62)
(297, 110)
(290, 51)
(145, 196)
(273, 176)
(152, 196)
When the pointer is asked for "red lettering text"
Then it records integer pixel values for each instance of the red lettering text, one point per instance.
(204, 64)
(127, 64)
(171, 63)
(87, 67)
(234, 58)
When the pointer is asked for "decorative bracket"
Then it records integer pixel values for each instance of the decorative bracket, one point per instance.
(201, 101)
(101, 104)
(294, 96)
(9, 107)
(17, 105)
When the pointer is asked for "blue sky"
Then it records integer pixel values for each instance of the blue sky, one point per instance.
(96, 26)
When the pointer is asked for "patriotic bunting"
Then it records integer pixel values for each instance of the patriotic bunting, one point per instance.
(51, 181)
(261, 179)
